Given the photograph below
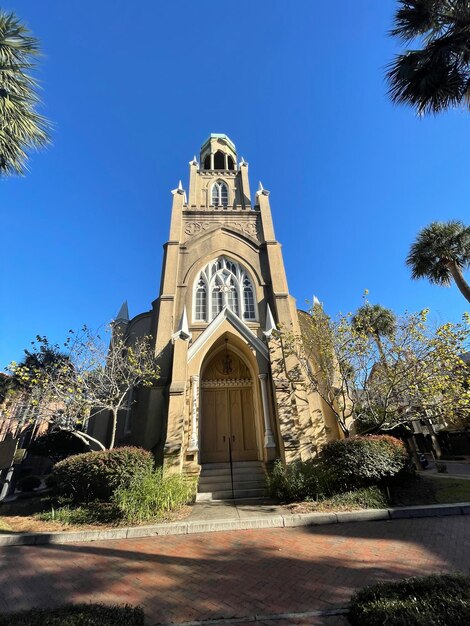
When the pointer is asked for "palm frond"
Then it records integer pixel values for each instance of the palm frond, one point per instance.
(21, 127)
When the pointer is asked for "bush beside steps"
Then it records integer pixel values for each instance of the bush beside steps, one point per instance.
(437, 600)
(77, 615)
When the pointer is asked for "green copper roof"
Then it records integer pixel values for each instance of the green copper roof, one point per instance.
(219, 136)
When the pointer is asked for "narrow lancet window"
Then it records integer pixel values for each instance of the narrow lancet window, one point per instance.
(219, 195)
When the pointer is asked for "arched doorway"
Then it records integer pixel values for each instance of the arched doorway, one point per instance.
(228, 414)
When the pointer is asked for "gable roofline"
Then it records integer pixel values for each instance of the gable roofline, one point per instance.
(238, 324)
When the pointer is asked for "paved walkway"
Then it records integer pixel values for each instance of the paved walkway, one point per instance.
(238, 574)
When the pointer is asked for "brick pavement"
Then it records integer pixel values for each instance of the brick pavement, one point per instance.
(234, 574)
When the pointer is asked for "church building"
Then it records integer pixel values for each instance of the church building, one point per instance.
(219, 403)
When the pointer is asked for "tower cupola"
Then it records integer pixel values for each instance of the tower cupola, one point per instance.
(218, 152)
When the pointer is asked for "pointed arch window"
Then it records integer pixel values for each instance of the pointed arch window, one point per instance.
(223, 282)
(201, 301)
(219, 194)
(248, 300)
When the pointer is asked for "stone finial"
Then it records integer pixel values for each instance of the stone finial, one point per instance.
(262, 190)
(123, 315)
(183, 328)
(194, 161)
(316, 301)
(179, 189)
(270, 323)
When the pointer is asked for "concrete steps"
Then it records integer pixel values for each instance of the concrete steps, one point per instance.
(249, 481)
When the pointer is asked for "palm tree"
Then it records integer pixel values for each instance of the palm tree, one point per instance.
(441, 253)
(437, 76)
(21, 128)
(376, 322)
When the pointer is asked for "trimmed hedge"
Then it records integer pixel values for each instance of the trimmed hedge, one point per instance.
(97, 475)
(363, 461)
(77, 615)
(439, 600)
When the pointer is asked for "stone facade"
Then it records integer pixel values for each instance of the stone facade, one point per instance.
(223, 290)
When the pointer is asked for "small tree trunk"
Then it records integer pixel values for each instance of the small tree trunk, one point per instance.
(459, 279)
(114, 426)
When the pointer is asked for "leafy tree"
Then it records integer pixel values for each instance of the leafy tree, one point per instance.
(418, 373)
(94, 380)
(21, 127)
(441, 253)
(436, 76)
(375, 321)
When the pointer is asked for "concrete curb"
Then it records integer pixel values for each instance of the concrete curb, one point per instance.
(266, 521)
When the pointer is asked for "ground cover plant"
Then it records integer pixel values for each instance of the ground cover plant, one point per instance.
(153, 495)
(365, 498)
(439, 600)
(77, 615)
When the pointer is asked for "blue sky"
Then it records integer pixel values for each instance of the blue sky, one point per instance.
(134, 89)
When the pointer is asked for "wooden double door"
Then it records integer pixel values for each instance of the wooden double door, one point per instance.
(228, 424)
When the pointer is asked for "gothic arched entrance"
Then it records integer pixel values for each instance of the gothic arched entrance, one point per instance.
(228, 414)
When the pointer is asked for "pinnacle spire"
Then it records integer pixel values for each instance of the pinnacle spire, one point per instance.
(123, 315)
(270, 323)
(182, 331)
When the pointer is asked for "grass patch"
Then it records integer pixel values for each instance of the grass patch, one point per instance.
(77, 615)
(439, 600)
(367, 498)
(432, 489)
(93, 513)
(450, 490)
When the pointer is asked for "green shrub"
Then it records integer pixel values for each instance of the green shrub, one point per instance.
(363, 461)
(77, 615)
(365, 498)
(301, 480)
(28, 483)
(96, 475)
(439, 600)
(150, 496)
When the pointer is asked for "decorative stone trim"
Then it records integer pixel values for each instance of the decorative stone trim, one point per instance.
(227, 382)
(246, 227)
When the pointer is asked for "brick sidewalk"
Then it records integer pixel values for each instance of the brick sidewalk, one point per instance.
(234, 574)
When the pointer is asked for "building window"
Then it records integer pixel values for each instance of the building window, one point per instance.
(217, 299)
(232, 297)
(248, 300)
(201, 301)
(207, 162)
(219, 195)
(223, 282)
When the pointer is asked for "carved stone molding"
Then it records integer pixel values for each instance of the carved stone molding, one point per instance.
(246, 227)
(227, 382)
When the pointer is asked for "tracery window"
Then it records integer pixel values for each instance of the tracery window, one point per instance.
(219, 195)
(223, 282)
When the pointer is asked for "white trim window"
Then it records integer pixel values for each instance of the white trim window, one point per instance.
(223, 282)
(219, 194)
